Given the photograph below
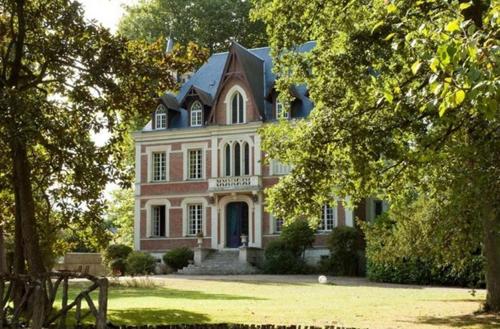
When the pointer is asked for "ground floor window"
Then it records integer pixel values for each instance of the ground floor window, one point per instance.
(195, 219)
(158, 221)
(328, 218)
(278, 225)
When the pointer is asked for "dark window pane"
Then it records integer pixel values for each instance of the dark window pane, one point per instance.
(162, 220)
(228, 160)
(235, 108)
(237, 159)
(240, 109)
(378, 208)
(247, 159)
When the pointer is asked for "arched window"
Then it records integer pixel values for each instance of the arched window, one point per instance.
(237, 110)
(281, 112)
(237, 159)
(227, 169)
(196, 114)
(161, 117)
(246, 159)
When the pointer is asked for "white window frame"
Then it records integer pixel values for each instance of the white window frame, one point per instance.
(195, 164)
(327, 210)
(229, 101)
(159, 166)
(153, 149)
(185, 215)
(281, 112)
(185, 159)
(156, 221)
(195, 223)
(150, 204)
(196, 121)
(274, 225)
(161, 120)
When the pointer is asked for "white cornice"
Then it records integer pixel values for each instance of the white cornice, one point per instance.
(189, 133)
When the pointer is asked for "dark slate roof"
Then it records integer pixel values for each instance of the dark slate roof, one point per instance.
(170, 101)
(204, 96)
(206, 80)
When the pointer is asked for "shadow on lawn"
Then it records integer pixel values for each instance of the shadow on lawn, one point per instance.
(484, 320)
(169, 293)
(145, 316)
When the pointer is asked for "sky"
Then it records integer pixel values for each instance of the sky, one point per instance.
(106, 12)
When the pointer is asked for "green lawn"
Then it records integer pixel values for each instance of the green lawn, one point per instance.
(348, 303)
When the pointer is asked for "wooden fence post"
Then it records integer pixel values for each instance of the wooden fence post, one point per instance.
(103, 304)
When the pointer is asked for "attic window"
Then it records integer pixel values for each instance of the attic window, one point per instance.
(161, 117)
(196, 114)
(237, 109)
(281, 112)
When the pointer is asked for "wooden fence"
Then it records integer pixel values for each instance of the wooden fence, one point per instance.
(17, 310)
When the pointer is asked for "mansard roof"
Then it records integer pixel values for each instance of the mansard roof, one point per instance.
(257, 65)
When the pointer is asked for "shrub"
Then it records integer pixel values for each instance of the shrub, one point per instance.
(115, 256)
(279, 259)
(140, 263)
(297, 236)
(346, 248)
(178, 258)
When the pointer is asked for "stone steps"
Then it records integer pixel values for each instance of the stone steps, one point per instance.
(220, 263)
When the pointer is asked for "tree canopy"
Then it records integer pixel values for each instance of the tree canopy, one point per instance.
(406, 103)
(210, 24)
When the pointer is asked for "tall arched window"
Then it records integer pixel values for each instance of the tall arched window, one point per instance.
(237, 110)
(246, 159)
(227, 151)
(196, 114)
(237, 159)
(161, 117)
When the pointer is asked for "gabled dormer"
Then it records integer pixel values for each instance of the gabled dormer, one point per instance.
(240, 95)
(166, 113)
(198, 104)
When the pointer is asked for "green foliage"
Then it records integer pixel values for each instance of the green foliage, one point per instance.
(280, 259)
(406, 100)
(120, 216)
(297, 235)
(140, 263)
(345, 244)
(115, 256)
(398, 250)
(211, 24)
(178, 258)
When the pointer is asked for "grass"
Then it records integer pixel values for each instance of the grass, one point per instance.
(349, 303)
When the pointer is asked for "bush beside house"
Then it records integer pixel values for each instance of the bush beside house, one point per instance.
(178, 258)
(140, 263)
(115, 258)
(346, 252)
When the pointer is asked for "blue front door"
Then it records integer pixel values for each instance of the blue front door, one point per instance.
(236, 223)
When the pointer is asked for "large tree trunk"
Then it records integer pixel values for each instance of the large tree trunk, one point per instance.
(491, 226)
(25, 208)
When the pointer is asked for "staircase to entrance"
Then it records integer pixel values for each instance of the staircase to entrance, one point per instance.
(220, 262)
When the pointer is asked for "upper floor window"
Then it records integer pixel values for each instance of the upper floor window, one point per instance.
(159, 166)
(196, 114)
(237, 108)
(158, 221)
(236, 159)
(328, 218)
(195, 164)
(278, 168)
(195, 219)
(161, 117)
(281, 112)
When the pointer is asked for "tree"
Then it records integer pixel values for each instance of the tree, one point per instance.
(406, 102)
(62, 80)
(211, 24)
(120, 216)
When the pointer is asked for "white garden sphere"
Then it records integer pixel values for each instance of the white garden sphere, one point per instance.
(322, 279)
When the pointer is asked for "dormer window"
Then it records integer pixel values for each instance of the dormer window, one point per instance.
(161, 117)
(280, 111)
(196, 114)
(237, 108)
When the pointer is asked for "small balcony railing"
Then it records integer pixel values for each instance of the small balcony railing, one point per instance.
(236, 183)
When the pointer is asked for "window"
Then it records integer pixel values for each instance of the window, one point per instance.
(278, 225)
(278, 168)
(195, 164)
(158, 221)
(159, 166)
(228, 160)
(195, 218)
(280, 111)
(161, 117)
(327, 222)
(237, 110)
(246, 159)
(196, 114)
(378, 207)
(236, 159)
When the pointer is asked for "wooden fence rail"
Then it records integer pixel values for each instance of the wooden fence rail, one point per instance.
(18, 294)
